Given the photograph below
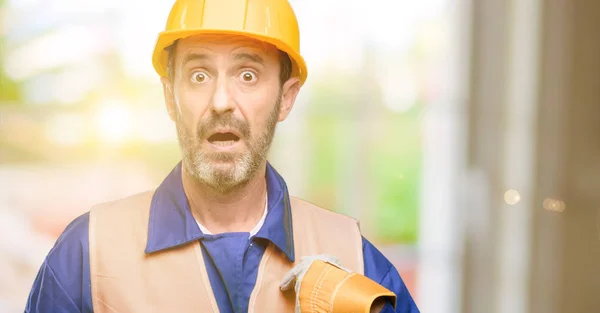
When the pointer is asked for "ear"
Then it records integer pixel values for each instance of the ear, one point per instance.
(288, 97)
(169, 96)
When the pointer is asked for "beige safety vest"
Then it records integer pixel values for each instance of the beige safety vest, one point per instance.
(126, 279)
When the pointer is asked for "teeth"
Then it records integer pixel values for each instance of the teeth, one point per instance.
(223, 143)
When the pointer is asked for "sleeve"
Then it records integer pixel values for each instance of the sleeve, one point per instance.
(62, 283)
(381, 270)
(48, 295)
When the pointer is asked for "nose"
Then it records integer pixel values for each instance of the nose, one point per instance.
(222, 102)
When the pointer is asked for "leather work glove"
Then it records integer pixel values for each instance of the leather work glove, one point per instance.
(322, 285)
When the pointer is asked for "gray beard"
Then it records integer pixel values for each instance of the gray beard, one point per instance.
(245, 165)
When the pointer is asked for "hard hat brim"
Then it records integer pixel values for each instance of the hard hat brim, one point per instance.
(167, 38)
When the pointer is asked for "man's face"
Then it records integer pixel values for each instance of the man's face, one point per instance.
(225, 97)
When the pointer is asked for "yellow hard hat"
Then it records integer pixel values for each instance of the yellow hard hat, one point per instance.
(271, 21)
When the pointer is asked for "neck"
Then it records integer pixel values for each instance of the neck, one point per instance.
(236, 211)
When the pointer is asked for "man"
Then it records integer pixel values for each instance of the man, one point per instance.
(221, 233)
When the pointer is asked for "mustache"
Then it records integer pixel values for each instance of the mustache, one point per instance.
(207, 128)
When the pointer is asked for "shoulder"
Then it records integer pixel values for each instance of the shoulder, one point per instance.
(381, 270)
(377, 266)
(123, 205)
(321, 231)
(121, 212)
(71, 245)
(62, 280)
(319, 214)
(70, 251)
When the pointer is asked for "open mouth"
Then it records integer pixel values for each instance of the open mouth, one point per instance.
(223, 139)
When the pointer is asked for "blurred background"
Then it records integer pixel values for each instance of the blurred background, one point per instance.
(464, 134)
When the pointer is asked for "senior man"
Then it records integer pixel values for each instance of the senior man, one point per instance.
(220, 233)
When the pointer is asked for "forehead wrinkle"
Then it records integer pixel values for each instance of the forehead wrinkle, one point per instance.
(195, 56)
(252, 57)
(190, 54)
(202, 54)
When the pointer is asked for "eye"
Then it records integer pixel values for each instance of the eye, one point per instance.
(199, 77)
(248, 76)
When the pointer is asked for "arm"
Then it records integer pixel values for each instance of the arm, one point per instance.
(322, 284)
(62, 283)
(381, 270)
(48, 294)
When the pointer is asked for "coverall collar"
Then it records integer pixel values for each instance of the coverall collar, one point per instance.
(171, 223)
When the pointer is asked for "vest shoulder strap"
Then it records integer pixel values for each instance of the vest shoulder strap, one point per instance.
(321, 231)
(126, 279)
(315, 231)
